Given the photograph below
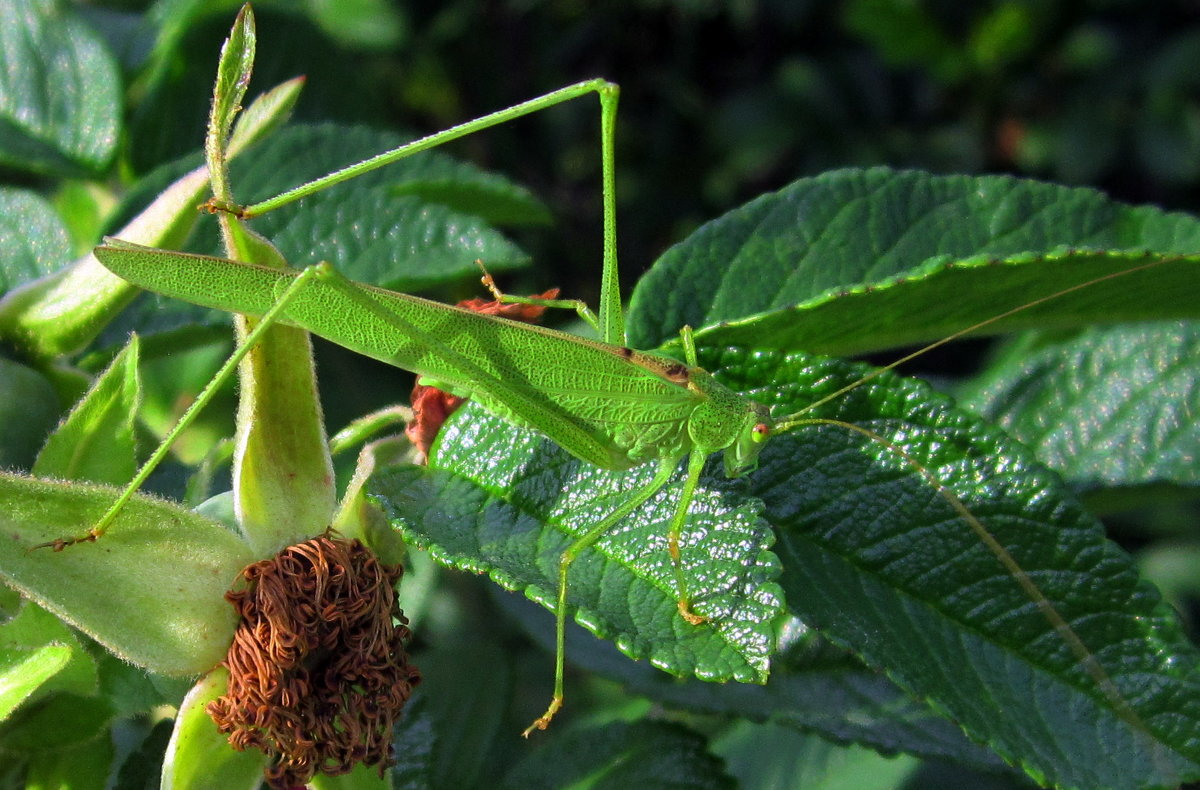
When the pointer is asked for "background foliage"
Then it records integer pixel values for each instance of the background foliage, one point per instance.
(720, 102)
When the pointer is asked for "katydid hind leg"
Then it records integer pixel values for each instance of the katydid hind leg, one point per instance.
(696, 460)
(666, 468)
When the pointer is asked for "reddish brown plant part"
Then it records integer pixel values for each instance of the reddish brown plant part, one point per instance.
(318, 671)
(431, 406)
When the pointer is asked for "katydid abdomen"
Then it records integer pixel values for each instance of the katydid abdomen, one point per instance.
(608, 405)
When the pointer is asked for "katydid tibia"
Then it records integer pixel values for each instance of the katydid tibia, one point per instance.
(608, 405)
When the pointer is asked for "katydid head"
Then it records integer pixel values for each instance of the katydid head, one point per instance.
(742, 456)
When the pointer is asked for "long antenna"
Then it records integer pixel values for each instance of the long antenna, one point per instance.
(793, 420)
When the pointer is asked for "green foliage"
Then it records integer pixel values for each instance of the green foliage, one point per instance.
(883, 619)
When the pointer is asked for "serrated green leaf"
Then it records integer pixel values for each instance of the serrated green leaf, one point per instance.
(167, 568)
(1111, 406)
(877, 560)
(198, 756)
(506, 502)
(60, 96)
(23, 670)
(33, 240)
(618, 756)
(96, 441)
(858, 260)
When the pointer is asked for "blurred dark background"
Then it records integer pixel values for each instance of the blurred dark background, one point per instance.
(721, 101)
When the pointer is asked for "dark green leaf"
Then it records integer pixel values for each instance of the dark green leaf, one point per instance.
(1108, 407)
(838, 698)
(129, 688)
(875, 558)
(773, 757)
(858, 260)
(408, 224)
(60, 97)
(85, 765)
(142, 768)
(60, 720)
(28, 410)
(467, 708)
(619, 756)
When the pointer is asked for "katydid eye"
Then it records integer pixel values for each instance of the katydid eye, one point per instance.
(760, 432)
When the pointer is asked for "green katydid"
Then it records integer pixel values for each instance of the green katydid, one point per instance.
(609, 405)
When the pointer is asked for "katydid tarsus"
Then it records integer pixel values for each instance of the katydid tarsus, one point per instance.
(607, 404)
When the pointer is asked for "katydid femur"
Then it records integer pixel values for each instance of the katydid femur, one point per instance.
(603, 402)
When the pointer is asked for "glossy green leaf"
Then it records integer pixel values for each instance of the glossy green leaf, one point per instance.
(33, 240)
(60, 96)
(876, 559)
(96, 441)
(1115, 406)
(168, 568)
(506, 502)
(618, 756)
(198, 756)
(859, 260)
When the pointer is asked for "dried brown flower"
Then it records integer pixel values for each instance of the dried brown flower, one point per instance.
(317, 669)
